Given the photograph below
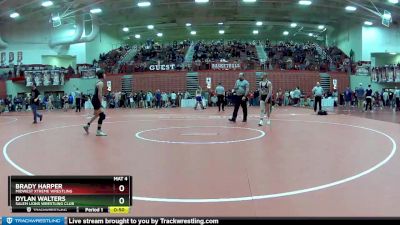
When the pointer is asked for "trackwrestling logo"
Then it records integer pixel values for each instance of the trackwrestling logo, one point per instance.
(9, 220)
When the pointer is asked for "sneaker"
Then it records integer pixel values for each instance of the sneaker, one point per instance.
(232, 120)
(101, 133)
(268, 122)
(41, 117)
(244, 121)
(34, 122)
(261, 123)
(86, 128)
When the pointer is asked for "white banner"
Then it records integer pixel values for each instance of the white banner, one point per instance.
(208, 82)
(223, 66)
(162, 67)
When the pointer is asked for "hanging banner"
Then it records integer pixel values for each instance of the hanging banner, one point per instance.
(3, 58)
(225, 66)
(19, 57)
(109, 85)
(208, 82)
(334, 84)
(11, 57)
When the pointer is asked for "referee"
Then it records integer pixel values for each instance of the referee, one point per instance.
(241, 89)
(318, 91)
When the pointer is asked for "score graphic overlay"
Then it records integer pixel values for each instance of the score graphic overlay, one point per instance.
(75, 194)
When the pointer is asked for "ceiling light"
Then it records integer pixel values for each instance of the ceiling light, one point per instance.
(193, 32)
(95, 11)
(137, 36)
(150, 27)
(220, 23)
(55, 18)
(70, 32)
(201, 1)
(47, 3)
(293, 25)
(188, 24)
(351, 8)
(255, 31)
(159, 34)
(387, 16)
(321, 27)
(393, 53)
(14, 15)
(286, 33)
(144, 4)
(125, 29)
(394, 1)
(368, 23)
(303, 2)
(310, 34)
(249, 1)
(259, 23)
(221, 32)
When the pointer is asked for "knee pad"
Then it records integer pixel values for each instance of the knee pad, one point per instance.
(102, 117)
(262, 106)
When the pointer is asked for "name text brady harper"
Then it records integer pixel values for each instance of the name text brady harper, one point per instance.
(38, 186)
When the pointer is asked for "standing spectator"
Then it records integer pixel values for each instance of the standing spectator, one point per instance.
(397, 95)
(360, 92)
(35, 103)
(368, 98)
(173, 99)
(220, 91)
(78, 98)
(347, 97)
(158, 99)
(385, 98)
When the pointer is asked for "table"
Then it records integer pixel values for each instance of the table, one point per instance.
(190, 103)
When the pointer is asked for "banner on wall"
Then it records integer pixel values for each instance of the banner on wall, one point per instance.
(225, 66)
(3, 58)
(208, 82)
(162, 67)
(109, 85)
(19, 57)
(11, 57)
(334, 81)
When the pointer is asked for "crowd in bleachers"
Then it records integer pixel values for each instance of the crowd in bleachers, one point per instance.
(108, 60)
(305, 56)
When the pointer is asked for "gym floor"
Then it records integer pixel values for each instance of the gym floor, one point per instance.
(197, 163)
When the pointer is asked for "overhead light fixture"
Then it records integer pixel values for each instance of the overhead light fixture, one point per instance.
(201, 1)
(150, 27)
(321, 27)
(393, 53)
(137, 36)
(159, 34)
(249, 1)
(387, 16)
(394, 1)
(259, 23)
(221, 32)
(310, 34)
(255, 31)
(96, 10)
(144, 4)
(286, 33)
(193, 32)
(47, 3)
(188, 24)
(351, 8)
(70, 32)
(14, 15)
(55, 18)
(293, 25)
(220, 23)
(368, 23)
(304, 2)
(125, 29)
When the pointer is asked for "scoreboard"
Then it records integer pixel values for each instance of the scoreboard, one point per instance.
(74, 194)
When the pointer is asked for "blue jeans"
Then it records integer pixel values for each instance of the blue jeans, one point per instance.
(35, 112)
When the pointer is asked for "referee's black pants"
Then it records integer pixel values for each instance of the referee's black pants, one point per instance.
(239, 102)
(220, 102)
(369, 104)
(317, 100)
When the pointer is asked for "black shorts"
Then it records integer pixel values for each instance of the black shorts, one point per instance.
(96, 104)
(264, 98)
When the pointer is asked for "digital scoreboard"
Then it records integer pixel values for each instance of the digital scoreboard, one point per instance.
(74, 194)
